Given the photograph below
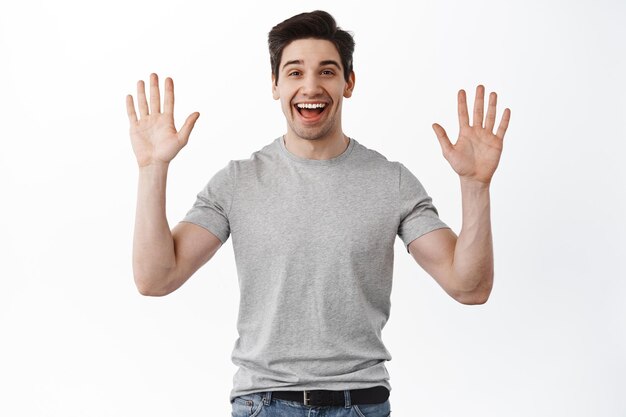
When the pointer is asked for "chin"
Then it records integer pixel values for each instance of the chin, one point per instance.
(313, 134)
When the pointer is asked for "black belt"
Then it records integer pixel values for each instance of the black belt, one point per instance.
(374, 395)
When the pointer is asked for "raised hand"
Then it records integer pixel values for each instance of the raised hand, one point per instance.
(154, 137)
(476, 153)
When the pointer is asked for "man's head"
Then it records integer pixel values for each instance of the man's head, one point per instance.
(310, 74)
(317, 25)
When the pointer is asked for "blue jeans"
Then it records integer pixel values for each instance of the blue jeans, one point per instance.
(261, 404)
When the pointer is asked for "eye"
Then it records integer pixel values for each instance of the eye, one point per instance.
(328, 72)
(294, 73)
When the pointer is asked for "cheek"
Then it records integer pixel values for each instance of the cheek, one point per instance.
(286, 106)
(336, 91)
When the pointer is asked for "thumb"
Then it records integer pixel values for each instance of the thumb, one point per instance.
(185, 131)
(446, 145)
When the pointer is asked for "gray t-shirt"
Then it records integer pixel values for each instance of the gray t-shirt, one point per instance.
(314, 247)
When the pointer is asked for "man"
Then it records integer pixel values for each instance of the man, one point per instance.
(313, 216)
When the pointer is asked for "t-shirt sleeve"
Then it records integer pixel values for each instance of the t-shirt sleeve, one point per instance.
(213, 203)
(418, 215)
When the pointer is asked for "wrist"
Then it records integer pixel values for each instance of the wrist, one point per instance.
(152, 170)
(155, 165)
(474, 184)
(474, 187)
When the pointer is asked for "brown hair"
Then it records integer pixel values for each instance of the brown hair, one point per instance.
(318, 25)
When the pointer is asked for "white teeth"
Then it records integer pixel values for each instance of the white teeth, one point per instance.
(311, 106)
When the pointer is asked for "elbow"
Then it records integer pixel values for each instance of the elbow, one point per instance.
(150, 292)
(478, 295)
(146, 288)
(473, 298)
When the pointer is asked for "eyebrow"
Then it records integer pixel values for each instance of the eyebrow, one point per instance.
(322, 63)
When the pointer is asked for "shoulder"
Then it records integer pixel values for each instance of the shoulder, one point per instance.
(258, 160)
(371, 159)
(364, 152)
(395, 173)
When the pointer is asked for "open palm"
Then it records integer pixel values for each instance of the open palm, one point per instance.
(153, 136)
(476, 153)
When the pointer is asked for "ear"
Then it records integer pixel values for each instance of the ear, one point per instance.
(275, 93)
(347, 91)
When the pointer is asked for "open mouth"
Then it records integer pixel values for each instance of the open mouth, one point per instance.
(311, 111)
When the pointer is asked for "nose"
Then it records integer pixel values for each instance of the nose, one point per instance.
(311, 85)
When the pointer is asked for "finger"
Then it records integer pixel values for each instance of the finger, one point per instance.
(491, 112)
(185, 131)
(446, 145)
(479, 104)
(462, 109)
(141, 98)
(155, 98)
(504, 123)
(130, 109)
(168, 100)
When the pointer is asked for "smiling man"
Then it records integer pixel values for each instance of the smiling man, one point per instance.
(310, 84)
(313, 216)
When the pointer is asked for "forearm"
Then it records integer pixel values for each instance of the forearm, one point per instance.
(472, 266)
(153, 245)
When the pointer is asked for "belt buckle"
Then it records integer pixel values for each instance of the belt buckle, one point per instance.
(307, 398)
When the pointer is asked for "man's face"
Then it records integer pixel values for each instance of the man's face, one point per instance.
(311, 87)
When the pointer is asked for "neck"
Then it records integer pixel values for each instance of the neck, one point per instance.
(324, 148)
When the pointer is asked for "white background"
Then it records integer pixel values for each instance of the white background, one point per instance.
(77, 339)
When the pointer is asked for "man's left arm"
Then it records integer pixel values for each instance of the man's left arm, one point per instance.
(463, 265)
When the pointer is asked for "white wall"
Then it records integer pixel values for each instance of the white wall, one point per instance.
(77, 339)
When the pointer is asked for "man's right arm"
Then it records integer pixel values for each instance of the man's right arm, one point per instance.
(162, 259)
